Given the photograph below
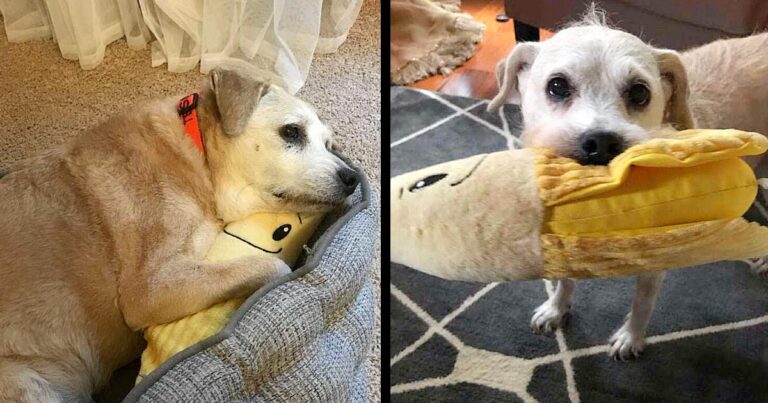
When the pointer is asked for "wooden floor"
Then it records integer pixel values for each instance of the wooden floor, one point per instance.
(476, 78)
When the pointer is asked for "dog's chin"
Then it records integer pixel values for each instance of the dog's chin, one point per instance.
(308, 202)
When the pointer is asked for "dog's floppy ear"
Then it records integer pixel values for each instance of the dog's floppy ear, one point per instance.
(234, 97)
(507, 72)
(675, 82)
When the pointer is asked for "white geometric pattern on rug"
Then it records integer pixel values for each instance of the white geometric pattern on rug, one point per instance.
(496, 370)
(482, 367)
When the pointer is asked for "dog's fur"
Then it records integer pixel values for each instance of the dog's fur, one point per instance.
(107, 234)
(719, 85)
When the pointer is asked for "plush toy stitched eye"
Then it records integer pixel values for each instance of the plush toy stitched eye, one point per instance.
(281, 232)
(429, 180)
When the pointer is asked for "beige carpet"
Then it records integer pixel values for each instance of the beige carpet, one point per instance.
(45, 100)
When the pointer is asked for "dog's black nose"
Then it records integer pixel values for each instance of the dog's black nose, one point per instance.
(599, 148)
(349, 179)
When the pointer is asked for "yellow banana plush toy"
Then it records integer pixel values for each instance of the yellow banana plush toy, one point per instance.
(280, 234)
(527, 214)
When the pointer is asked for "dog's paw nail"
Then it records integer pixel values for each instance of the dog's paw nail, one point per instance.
(625, 345)
(547, 319)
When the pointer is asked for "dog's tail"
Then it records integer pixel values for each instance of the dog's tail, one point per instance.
(21, 383)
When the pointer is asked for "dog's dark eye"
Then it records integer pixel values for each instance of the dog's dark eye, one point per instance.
(281, 232)
(558, 88)
(638, 95)
(429, 180)
(292, 133)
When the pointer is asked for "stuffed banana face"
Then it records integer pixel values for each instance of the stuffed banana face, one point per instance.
(526, 214)
(455, 220)
(278, 234)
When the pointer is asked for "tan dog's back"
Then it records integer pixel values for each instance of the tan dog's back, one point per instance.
(107, 235)
(728, 81)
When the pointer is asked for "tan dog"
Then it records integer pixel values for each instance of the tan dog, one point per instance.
(106, 234)
(728, 85)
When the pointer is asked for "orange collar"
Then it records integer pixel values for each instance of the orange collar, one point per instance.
(187, 109)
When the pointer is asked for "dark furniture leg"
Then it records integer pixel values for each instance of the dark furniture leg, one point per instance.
(525, 32)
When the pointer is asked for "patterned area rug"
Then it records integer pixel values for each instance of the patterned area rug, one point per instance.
(471, 342)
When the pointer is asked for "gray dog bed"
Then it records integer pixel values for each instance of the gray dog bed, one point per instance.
(303, 339)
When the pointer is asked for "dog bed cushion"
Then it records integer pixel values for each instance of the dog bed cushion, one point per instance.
(301, 339)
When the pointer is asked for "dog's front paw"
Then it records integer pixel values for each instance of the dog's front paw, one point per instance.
(548, 317)
(625, 344)
(759, 266)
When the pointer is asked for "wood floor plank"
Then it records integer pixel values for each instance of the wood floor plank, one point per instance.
(471, 83)
(433, 83)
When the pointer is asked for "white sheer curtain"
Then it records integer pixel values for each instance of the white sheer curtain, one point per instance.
(275, 39)
(82, 29)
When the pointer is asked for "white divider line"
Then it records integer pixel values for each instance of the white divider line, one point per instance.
(457, 108)
(421, 384)
(604, 348)
(434, 125)
(512, 141)
(570, 380)
(434, 326)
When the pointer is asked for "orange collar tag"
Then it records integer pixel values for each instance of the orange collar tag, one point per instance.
(187, 109)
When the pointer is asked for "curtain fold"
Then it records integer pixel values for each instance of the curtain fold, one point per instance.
(82, 29)
(274, 39)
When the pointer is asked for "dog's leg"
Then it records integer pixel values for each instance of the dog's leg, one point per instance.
(759, 265)
(549, 315)
(22, 384)
(629, 340)
(183, 286)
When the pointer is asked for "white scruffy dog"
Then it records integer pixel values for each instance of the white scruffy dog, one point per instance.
(592, 91)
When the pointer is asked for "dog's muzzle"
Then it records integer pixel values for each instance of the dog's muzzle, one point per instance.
(599, 148)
